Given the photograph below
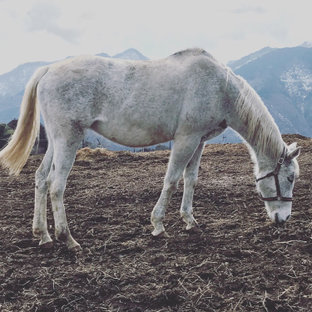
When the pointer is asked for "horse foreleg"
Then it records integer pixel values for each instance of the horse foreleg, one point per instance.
(63, 159)
(182, 152)
(40, 226)
(190, 181)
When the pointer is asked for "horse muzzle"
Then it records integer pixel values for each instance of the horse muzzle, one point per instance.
(279, 215)
(279, 219)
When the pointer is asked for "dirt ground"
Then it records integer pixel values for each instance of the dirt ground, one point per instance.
(236, 261)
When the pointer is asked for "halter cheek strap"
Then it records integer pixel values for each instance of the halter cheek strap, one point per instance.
(277, 184)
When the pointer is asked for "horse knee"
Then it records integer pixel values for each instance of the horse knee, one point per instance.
(56, 186)
(41, 183)
(56, 189)
(171, 186)
(191, 180)
(56, 193)
(42, 173)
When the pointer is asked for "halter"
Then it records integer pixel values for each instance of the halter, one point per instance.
(277, 185)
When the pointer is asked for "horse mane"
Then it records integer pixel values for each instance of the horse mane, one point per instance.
(262, 131)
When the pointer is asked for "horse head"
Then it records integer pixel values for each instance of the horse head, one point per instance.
(276, 187)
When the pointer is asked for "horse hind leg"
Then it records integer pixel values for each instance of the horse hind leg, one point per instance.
(190, 181)
(40, 226)
(63, 158)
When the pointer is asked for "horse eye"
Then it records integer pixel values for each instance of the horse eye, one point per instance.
(291, 178)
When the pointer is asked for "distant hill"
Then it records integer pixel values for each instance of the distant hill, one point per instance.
(282, 77)
(131, 54)
(12, 84)
(235, 65)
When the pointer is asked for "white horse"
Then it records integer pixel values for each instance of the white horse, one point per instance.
(188, 97)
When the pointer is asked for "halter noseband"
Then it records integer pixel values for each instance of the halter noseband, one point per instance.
(277, 185)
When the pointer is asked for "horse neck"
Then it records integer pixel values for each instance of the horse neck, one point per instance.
(252, 120)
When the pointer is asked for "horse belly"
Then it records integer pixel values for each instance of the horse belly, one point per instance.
(135, 134)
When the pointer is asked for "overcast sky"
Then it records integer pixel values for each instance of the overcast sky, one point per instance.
(47, 30)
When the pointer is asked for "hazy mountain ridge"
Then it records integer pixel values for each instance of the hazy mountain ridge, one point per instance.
(12, 87)
(282, 77)
(12, 84)
(298, 82)
(235, 65)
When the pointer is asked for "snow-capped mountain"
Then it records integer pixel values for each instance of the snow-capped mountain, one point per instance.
(298, 83)
(283, 79)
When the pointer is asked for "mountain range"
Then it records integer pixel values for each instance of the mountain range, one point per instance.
(12, 84)
(281, 76)
(283, 79)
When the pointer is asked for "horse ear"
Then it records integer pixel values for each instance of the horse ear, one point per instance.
(292, 147)
(294, 151)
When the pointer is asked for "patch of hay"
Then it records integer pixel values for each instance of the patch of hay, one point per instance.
(87, 154)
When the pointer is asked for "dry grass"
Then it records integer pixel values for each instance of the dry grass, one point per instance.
(235, 261)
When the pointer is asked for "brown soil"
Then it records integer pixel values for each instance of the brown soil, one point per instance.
(236, 261)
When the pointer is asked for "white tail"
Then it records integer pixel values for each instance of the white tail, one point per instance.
(16, 153)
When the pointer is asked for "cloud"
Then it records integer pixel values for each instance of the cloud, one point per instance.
(247, 9)
(54, 29)
(44, 16)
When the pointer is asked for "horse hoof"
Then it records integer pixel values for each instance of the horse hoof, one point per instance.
(162, 234)
(191, 226)
(190, 221)
(72, 245)
(195, 229)
(156, 233)
(46, 245)
(158, 228)
(77, 248)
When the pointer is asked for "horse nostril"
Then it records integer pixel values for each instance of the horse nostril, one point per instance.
(276, 218)
(278, 221)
